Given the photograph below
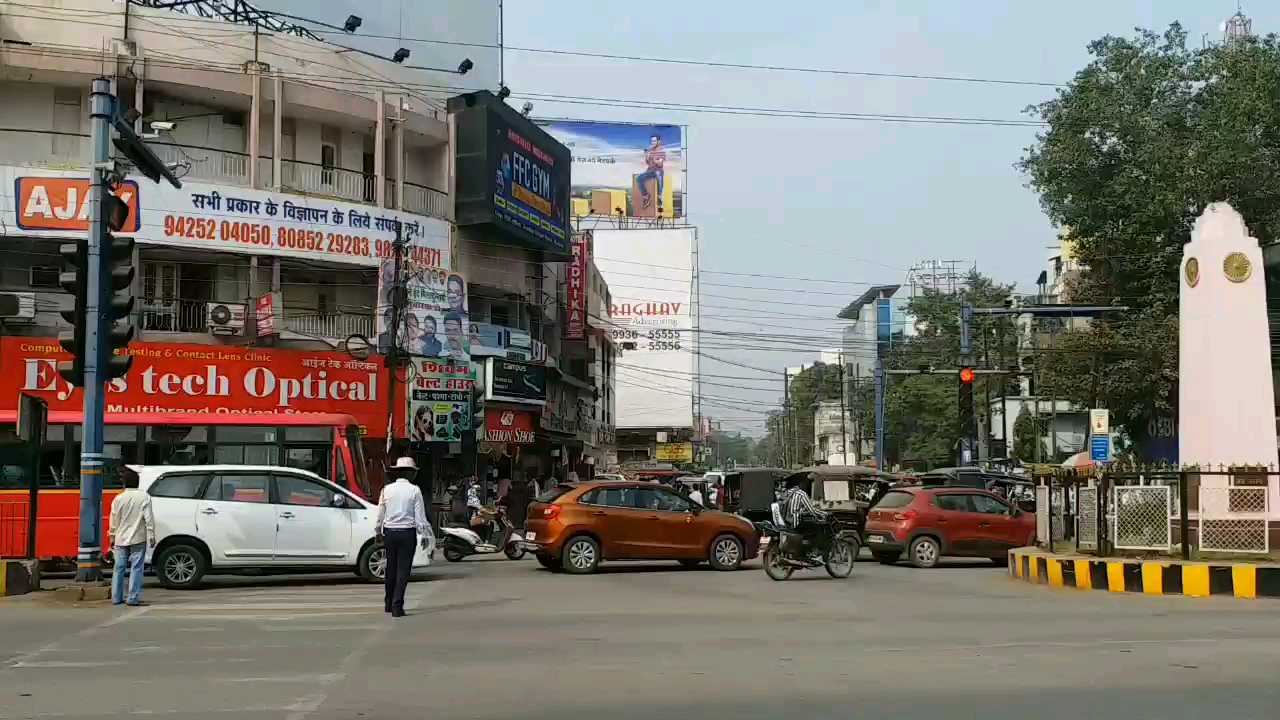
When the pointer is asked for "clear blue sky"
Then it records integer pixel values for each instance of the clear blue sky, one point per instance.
(834, 199)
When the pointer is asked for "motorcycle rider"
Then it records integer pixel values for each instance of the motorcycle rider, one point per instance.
(800, 514)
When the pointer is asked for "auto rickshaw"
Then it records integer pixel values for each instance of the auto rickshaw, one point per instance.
(845, 491)
(750, 491)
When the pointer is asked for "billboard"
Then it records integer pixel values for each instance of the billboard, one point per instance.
(510, 174)
(652, 323)
(681, 452)
(440, 395)
(435, 321)
(575, 326)
(225, 218)
(517, 382)
(638, 168)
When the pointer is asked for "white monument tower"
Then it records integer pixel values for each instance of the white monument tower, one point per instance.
(1226, 403)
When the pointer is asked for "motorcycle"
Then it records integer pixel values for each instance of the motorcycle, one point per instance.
(459, 542)
(788, 551)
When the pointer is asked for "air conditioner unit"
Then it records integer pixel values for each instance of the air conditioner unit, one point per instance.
(18, 306)
(225, 318)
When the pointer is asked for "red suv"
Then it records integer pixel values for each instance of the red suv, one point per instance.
(930, 523)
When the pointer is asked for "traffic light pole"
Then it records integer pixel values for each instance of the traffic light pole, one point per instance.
(89, 551)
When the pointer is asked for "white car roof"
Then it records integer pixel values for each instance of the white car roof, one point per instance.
(148, 474)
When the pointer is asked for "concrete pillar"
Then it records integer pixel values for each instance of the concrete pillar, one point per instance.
(275, 274)
(401, 164)
(138, 91)
(277, 129)
(380, 148)
(255, 115)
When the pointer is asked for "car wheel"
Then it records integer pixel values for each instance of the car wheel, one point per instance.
(180, 566)
(886, 558)
(580, 556)
(372, 565)
(550, 562)
(924, 552)
(726, 553)
(774, 567)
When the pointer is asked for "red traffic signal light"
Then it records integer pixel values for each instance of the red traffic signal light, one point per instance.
(966, 375)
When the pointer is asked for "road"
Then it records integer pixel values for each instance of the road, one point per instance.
(499, 639)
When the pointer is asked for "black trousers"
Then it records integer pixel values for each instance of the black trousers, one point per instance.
(401, 544)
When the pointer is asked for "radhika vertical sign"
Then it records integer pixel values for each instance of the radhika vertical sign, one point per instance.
(576, 326)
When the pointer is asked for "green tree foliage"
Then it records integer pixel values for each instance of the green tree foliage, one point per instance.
(1141, 140)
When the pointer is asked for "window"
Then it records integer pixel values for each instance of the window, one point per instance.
(247, 487)
(311, 459)
(306, 434)
(251, 433)
(611, 497)
(954, 503)
(988, 505)
(178, 485)
(552, 494)
(895, 499)
(297, 490)
(661, 499)
(500, 315)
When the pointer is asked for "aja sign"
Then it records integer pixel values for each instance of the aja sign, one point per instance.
(508, 426)
(62, 203)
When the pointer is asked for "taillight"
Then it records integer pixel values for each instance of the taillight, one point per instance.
(908, 515)
(551, 512)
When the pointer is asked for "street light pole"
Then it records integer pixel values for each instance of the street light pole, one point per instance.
(844, 436)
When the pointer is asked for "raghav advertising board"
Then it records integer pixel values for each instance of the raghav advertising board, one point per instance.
(224, 218)
(650, 277)
(205, 379)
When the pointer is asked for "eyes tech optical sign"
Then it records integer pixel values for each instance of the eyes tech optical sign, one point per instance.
(224, 218)
(511, 174)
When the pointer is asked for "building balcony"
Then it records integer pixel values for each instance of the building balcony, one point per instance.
(180, 315)
(70, 151)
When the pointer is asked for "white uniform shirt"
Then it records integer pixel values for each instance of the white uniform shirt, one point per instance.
(400, 507)
(696, 496)
(132, 521)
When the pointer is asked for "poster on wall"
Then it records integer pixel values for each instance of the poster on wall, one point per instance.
(642, 163)
(224, 218)
(651, 323)
(440, 400)
(577, 282)
(434, 321)
(518, 382)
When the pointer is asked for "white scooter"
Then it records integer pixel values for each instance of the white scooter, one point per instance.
(459, 542)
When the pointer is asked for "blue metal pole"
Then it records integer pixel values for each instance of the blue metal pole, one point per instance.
(89, 552)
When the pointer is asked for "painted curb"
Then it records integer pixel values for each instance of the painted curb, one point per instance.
(1149, 577)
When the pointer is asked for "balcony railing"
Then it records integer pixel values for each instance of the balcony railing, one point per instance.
(66, 150)
(174, 315)
(330, 326)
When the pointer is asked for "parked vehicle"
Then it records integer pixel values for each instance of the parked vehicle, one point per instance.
(1019, 490)
(576, 526)
(929, 523)
(845, 491)
(835, 549)
(229, 519)
(458, 542)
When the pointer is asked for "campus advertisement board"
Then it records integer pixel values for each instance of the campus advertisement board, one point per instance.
(634, 167)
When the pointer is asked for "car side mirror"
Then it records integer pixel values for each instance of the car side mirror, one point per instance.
(339, 500)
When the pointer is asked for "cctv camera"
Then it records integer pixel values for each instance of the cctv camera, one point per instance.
(162, 125)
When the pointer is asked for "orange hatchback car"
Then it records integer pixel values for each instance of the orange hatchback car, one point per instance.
(575, 526)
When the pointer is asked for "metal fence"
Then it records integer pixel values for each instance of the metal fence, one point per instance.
(1042, 514)
(1140, 517)
(1234, 519)
(1087, 518)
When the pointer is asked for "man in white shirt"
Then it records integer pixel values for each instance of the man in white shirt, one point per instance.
(402, 524)
(696, 495)
(132, 528)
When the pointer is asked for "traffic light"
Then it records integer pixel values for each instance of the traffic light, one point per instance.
(967, 375)
(968, 418)
(117, 290)
(74, 279)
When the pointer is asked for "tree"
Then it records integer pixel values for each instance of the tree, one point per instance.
(1140, 141)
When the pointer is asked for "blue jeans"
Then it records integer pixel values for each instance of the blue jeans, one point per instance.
(645, 176)
(129, 558)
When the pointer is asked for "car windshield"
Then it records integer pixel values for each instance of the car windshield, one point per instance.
(895, 499)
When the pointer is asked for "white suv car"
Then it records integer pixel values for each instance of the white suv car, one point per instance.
(233, 518)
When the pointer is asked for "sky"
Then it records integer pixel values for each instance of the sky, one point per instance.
(854, 202)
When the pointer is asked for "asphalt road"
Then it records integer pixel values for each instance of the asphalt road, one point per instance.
(499, 639)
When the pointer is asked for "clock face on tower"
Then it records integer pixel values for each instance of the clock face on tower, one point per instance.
(1193, 272)
(1237, 267)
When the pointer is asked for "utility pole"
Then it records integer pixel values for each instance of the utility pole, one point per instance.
(786, 418)
(392, 359)
(879, 377)
(844, 415)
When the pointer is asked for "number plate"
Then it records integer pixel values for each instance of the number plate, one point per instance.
(530, 535)
(874, 539)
